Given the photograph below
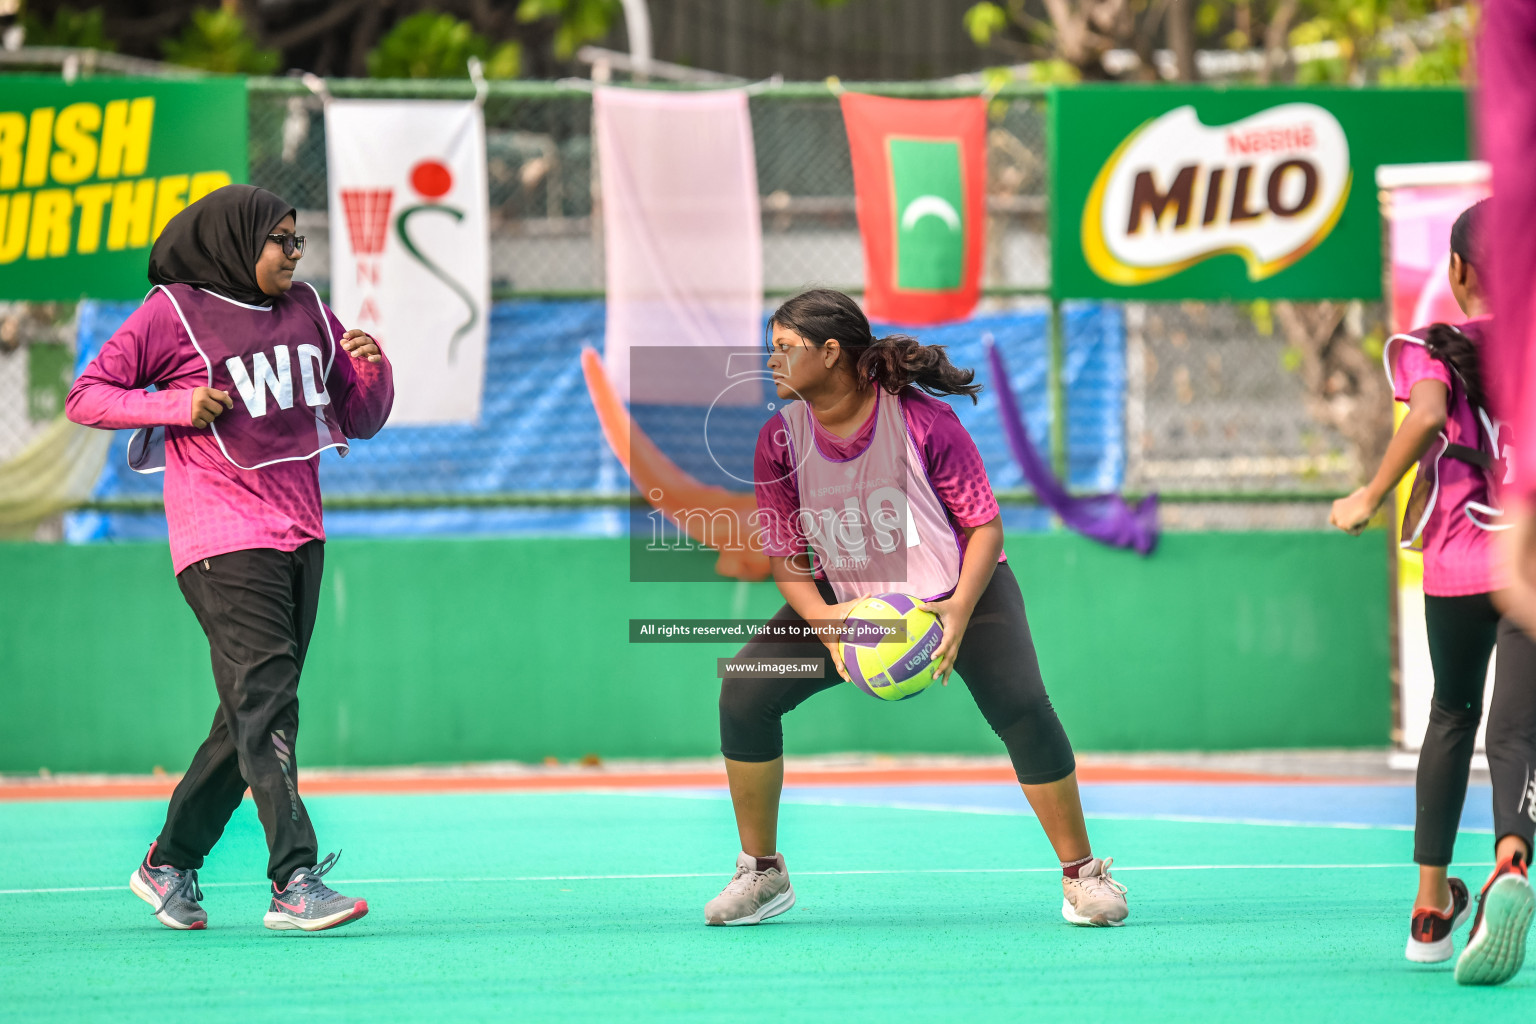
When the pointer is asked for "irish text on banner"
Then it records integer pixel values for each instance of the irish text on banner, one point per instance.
(920, 172)
(683, 237)
(410, 248)
(91, 171)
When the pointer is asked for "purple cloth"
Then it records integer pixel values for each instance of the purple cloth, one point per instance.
(1105, 518)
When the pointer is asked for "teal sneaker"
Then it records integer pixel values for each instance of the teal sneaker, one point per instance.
(1496, 950)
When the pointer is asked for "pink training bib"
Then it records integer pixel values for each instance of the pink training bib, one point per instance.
(873, 520)
(273, 361)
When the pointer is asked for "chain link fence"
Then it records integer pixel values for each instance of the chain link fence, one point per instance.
(544, 191)
(1216, 417)
(1216, 408)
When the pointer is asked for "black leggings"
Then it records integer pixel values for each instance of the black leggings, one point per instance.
(1463, 631)
(996, 660)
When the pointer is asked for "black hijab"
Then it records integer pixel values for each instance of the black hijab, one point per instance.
(215, 242)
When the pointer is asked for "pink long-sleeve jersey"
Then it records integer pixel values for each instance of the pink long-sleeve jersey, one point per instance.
(1507, 132)
(213, 507)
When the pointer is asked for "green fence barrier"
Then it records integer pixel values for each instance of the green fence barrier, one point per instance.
(476, 650)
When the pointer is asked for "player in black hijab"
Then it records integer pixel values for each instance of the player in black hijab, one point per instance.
(215, 242)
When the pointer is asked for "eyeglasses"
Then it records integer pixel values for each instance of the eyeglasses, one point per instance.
(293, 245)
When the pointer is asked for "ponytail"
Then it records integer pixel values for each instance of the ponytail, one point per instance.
(1460, 356)
(897, 360)
(892, 362)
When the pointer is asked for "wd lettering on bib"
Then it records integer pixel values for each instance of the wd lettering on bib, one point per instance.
(275, 359)
(262, 379)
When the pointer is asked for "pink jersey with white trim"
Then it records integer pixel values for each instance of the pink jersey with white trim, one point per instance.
(211, 506)
(1460, 557)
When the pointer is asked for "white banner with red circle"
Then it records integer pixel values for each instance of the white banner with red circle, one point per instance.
(410, 246)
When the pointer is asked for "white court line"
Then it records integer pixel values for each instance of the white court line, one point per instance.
(1023, 812)
(817, 874)
(902, 805)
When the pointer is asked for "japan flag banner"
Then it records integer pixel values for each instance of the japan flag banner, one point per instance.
(410, 246)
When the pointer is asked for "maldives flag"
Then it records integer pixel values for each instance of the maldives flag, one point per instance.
(920, 172)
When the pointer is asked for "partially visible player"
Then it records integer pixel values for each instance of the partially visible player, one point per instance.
(1454, 512)
(1506, 108)
(887, 491)
(253, 382)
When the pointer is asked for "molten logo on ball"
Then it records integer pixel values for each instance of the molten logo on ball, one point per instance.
(891, 669)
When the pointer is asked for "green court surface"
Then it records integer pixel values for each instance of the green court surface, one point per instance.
(589, 906)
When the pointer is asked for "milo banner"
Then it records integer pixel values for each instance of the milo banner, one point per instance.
(91, 171)
(920, 174)
(1210, 194)
(410, 246)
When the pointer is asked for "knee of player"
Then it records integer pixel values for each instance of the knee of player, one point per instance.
(740, 701)
(1022, 714)
(1507, 734)
(1458, 715)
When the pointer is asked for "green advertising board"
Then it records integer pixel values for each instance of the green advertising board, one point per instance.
(90, 171)
(1233, 193)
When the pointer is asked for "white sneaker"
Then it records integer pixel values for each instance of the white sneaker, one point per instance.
(1094, 898)
(752, 896)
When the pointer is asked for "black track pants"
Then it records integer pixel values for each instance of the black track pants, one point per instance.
(258, 609)
(1463, 631)
(996, 660)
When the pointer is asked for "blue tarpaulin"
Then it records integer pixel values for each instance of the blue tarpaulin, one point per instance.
(539, 433)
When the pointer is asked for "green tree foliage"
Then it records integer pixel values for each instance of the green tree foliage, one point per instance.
(219, 40)
(1392, 42)
(579, 21)
(436, 45)
(1375, 42)
(70, 27)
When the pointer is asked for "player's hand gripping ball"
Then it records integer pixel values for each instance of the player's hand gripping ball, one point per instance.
(887, 668)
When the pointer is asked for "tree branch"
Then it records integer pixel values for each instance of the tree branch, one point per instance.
(1276, 34)
(1181, 39)
(320, 24)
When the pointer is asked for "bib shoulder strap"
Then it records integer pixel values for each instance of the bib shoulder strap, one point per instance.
(1474, 456)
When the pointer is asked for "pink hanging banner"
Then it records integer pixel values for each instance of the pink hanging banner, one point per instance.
(683, 237)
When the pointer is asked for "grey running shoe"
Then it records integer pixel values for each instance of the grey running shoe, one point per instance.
(1496, 949)
(172, 892)
(1429, 933)
(1094, 898)
(308, 904)
(752, 896)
